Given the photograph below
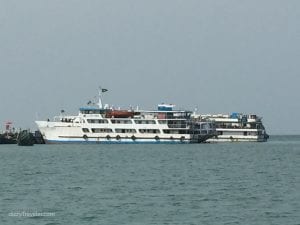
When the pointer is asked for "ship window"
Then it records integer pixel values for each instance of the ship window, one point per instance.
(175, 131)
(195, 132)
(245, 133)
(170, 131)
(97, 121)
(162, 121)
(85, 130)
(90, 111)
(121, 121)
(101, 130)
(67, 120)
(204, 126)
(177, 124)
(125, 130)
(144, 121)
(149, 131)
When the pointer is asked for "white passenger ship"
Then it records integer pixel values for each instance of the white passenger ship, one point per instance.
(236, 127)
(106, 125)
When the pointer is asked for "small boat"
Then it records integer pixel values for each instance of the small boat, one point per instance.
(8, 138)
(25, 138)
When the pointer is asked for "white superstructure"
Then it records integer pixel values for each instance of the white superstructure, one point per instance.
(236, 127)
(106, 125)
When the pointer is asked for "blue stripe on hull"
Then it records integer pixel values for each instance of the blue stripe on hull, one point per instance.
(115, 142)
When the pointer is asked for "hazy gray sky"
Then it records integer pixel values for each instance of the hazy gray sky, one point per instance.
(218, 56)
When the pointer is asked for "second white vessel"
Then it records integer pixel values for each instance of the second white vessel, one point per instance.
(236, 127)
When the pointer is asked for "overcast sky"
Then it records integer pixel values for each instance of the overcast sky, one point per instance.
(213, 55)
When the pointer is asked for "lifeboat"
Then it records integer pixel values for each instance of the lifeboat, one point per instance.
(119, 114)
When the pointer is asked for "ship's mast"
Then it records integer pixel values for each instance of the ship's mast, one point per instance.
(100, 99)
(101, 90)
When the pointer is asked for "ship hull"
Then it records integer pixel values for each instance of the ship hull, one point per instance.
(124, 141)
(236, 139)
(54, 133)
(240, 135)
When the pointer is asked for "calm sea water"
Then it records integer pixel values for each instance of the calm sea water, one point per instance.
(238, 183)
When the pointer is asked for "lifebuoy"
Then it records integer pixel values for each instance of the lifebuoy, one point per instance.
(85, 137)
(108, 137)
(133, 137)
(118, 137)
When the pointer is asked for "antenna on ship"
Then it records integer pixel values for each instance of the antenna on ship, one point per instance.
(101, 90)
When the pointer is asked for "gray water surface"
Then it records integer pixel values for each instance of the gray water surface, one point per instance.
(230, 183)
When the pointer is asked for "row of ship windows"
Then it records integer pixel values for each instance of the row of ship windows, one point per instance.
(237, 126)
(245, 133)
(147, 131)
(130, 121)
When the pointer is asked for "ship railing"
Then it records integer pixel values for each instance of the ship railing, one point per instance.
(177, 126)
(65, 119)
(230, 126)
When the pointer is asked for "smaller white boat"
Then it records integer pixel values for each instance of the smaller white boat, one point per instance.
(236, 127)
